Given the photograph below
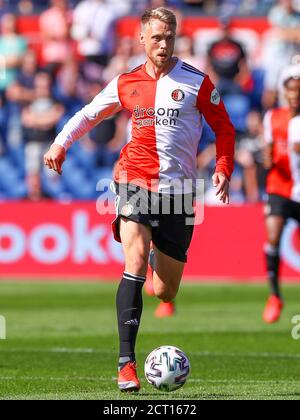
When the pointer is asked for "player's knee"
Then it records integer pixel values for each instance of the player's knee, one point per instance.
(137, 264)
(165, 294)
(274, 240)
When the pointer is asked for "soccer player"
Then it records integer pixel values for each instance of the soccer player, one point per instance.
(167, 99)
(282, 158)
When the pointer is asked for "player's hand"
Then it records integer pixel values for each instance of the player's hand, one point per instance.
(55, 158)
(221, 182)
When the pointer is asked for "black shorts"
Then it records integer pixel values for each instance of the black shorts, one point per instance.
(281, 206)
(170, 217)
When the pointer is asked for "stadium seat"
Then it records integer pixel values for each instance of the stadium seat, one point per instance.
(52, 185)
(12, 185)
(16, 155)
(78, 185)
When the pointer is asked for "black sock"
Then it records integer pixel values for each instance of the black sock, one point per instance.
(273, 262)
(129, 311)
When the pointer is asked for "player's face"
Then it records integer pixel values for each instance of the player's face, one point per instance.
(292, 93)
(159, 40)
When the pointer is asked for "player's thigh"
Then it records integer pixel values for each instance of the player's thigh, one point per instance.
(167, 275)
(136, 239)
(275, 225)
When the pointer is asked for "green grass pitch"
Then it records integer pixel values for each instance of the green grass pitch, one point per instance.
(62, 342)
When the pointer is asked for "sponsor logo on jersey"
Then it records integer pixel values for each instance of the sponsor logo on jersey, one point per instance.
(156, 117)
(215, 97)
(178, 95)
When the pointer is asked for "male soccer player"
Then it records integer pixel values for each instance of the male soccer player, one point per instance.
(282, 157)
(167, 99)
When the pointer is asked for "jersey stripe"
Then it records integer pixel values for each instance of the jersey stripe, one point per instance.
(194, 69)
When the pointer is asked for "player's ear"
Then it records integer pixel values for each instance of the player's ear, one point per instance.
(142, 38)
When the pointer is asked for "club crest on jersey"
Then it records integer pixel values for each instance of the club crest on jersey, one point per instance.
(215, 97)
(178, 95)
(127, 210)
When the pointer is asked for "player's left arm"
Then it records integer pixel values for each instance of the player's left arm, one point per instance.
(212, 107)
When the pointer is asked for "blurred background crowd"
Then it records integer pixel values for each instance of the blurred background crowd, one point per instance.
(69, 50)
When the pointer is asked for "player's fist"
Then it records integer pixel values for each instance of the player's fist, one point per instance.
(221, 182)
(55, 158)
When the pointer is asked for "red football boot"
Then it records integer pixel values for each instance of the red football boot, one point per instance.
(127, 378)
(273, 309)
(165, 309)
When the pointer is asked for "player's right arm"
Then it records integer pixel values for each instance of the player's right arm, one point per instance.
(104, 105)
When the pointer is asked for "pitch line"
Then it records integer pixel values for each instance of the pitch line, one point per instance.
(103, 379)
(54, 350)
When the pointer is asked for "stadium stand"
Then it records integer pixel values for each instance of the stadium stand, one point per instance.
(78, 75)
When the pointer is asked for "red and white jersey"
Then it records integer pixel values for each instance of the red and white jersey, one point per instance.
(166, 124)
(282, 131)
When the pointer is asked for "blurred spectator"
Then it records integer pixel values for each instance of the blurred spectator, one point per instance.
(184, 49)
(25, 7)
(249, 155)
(55, 29)
(12, 49)
(39, 120)
(93, 28)
(19, 94)
(35, 191)
(68, 89)
(119, 63)
(282, 44)
(138, 55)
(120, 8)
(3, 125)
(22, 90)
(108, 138)
(3, 8)
(227, 61)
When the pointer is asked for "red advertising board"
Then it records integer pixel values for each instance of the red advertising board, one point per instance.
(73, 241)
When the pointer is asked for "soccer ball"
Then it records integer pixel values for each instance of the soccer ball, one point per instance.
(167, 368)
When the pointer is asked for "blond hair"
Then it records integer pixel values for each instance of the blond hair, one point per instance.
(160, 13)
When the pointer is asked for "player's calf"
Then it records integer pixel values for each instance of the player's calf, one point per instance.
(164, 293)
